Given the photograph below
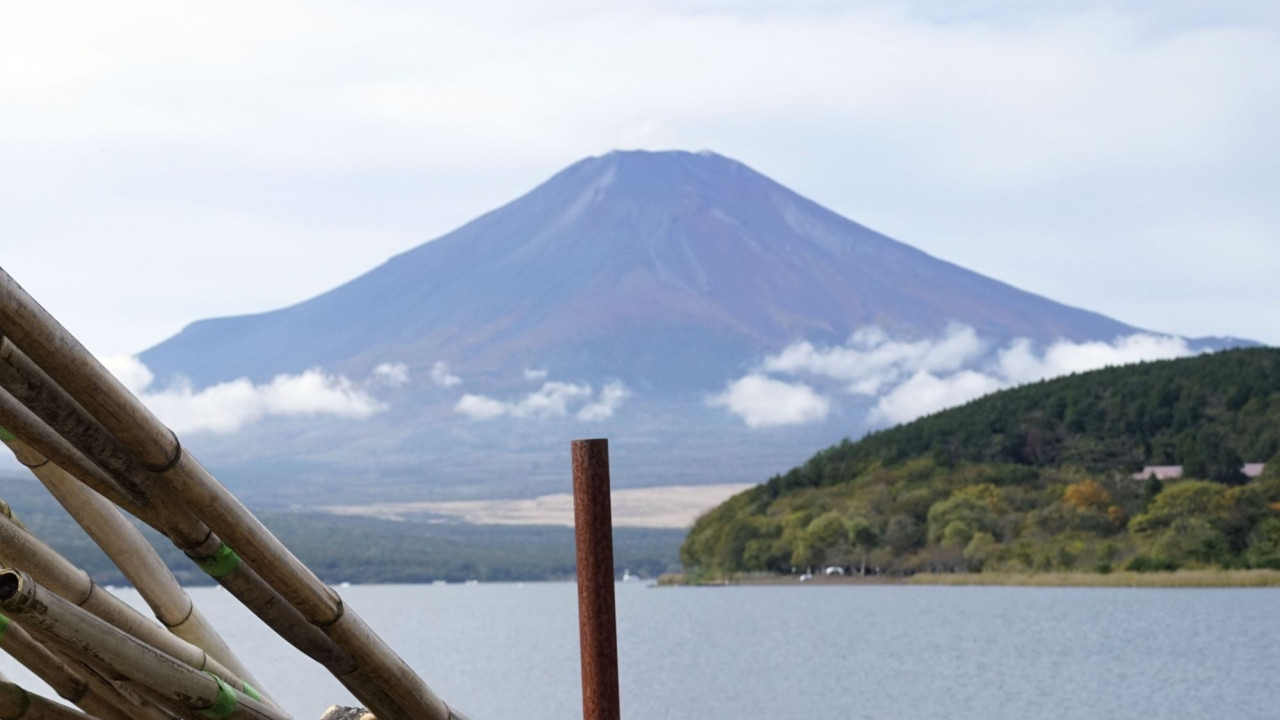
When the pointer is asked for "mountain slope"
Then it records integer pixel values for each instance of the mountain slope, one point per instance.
(630, 264)
(659, 276)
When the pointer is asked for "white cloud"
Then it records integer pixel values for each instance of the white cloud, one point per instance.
(611, 398)
(1019, 363)
(925, 393)
(479, 407)
(130, 371)
(535, 375)
(553, 400)
(872, 359)
(441, 376)
(229, 406)
(764, 402)
(392, 374)
(912, 378)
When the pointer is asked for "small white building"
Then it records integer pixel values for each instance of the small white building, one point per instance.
(1173, 472)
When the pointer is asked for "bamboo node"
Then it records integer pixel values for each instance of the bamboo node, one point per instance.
(191, 609)
(341, 610)
(171, 462)
(16, 696)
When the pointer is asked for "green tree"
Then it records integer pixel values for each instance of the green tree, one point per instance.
(1185, 499)
(1272, 469)
(1264, 544)
(1151, 487)
(957, 535)
(1087, 494)
(823, 541)
(902, 534)
(966, 511)
(1209, 457)
(864, 538)
(1183, 523)
(980, 549)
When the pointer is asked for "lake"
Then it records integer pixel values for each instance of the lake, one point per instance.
(883, 652)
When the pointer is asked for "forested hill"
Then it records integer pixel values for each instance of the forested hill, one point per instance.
(1037, 476)
(1201, 412)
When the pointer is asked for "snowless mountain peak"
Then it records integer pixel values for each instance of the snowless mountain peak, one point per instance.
(632, 264)
(650, 279)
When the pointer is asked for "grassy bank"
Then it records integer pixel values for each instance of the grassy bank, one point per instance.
(1179, 578)
(676, 579)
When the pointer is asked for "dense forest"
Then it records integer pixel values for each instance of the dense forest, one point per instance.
(366, 550)
(1035, 478)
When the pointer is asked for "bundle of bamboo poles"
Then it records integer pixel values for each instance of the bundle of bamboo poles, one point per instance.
(99, 450)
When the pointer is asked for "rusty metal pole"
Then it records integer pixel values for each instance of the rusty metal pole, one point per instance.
(597, 624)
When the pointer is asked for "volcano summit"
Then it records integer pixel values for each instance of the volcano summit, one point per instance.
(630, 295)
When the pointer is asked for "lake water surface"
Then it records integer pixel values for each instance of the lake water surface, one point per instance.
(510, 651)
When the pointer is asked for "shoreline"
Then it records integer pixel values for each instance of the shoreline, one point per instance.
(1118, 579)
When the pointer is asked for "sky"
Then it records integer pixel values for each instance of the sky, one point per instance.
(162, 162)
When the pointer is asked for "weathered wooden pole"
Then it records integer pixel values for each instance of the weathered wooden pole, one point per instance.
(130, 551)
(597, 622)
(189, 691)
(71, 439)
(88, 692)
(21, 549)
(18, 704)
(40, 341)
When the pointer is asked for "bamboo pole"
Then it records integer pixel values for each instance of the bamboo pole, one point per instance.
(150, 667)
(96, 698)
(7, 511)
(136, 701)
(65, 429)
(44, 398)
(35, 657)
(18, 704)
(135, 557)
(21, 549)
(72, 367)
(20, 422)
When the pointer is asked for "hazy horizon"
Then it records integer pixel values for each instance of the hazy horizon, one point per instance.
(1115, 156)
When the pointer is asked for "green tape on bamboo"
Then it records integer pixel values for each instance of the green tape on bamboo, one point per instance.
(223, 705)
(251, 691)
(4, 625)
(6, 436)
(224, 560)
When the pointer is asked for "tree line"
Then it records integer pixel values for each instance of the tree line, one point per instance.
(1035, 478)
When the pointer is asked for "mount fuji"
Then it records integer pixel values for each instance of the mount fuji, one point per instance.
(622, 297)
